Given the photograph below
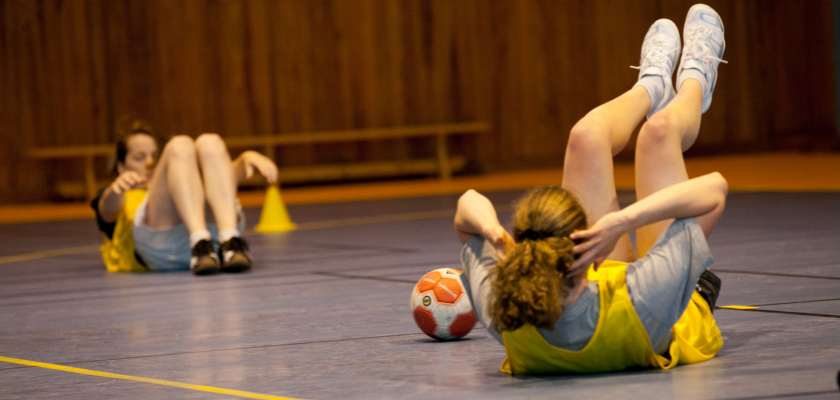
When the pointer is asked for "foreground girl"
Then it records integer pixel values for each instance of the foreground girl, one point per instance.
(534, 290)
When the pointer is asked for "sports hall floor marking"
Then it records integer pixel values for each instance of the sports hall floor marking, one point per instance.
(201, 388)
(756, 309)
(233, 348)
(796, 302)
(49, 253)
(410, 216)
(735, 271)
(372, 278)
(783, 396)
(178, 288)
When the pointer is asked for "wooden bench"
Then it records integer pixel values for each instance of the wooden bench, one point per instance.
(442, 164)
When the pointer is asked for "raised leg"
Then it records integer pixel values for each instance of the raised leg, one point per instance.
(588, 167)
(175, 193)
(670, 132)
(659, 152)
(219, 182)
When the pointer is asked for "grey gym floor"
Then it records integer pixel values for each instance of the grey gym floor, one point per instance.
(324, 313)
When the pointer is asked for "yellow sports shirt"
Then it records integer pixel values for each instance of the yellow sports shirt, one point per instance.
(620, 340)
(118, 251)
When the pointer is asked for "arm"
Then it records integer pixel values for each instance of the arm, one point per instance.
(113, 197)
(703, 197)
(244, 165)
(476, 216)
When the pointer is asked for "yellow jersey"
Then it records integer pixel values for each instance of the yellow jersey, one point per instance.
(118, 251)
(620, 340)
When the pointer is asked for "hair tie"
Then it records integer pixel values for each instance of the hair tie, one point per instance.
(529, 234)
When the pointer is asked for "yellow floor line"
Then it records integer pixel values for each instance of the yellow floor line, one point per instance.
(209, 389)
(738, 307)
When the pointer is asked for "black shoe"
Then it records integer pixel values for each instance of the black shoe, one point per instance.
(235, 255)
(709, 288)
(204, 259)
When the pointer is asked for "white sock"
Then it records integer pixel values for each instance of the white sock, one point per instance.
(197, 236)
(692, 73)
(655, 86)
(227, 234)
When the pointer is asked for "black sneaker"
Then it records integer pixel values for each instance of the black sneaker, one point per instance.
(204, 259)
(235, 255)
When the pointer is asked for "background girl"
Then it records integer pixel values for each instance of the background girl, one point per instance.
(165, 209)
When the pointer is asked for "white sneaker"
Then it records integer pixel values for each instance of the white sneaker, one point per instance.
(704, 46)
(659, 57)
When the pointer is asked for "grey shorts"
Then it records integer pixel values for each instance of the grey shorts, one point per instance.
(168, 249)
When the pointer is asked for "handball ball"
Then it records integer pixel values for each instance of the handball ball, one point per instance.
(440, 305)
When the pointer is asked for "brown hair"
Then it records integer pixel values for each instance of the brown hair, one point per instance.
(529, 285)
(127, 127)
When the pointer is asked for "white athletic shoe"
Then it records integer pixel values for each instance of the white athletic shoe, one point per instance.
(659, 57)
(704, 46)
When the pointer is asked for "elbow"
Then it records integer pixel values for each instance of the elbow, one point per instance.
(721, 186)
(467, 198)
(463, 204)
(721, 183)
(469, 193)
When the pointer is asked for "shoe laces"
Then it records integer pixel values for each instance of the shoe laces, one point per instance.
(236, 244)
(204, 246)
(696, 47)
(657, 52)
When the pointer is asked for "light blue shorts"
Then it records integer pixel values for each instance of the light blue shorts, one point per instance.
(168, 249)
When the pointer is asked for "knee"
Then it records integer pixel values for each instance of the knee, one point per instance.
(180, 146)
(589, 136)
(661, 128)
(210, 145)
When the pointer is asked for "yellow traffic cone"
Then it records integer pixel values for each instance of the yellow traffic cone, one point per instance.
(275, 217)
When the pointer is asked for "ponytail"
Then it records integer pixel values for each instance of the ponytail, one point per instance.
(529, 285)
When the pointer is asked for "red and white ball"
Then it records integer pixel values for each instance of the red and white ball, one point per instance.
(440, 305)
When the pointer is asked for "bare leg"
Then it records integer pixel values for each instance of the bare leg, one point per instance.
(219, 183)
(175, 193)
(659, 159)
(588, 168)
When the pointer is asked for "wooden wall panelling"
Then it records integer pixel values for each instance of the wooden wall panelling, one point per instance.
(532, 67)
(258, 70)
(417, 71)
(238, 107)
(22, 78)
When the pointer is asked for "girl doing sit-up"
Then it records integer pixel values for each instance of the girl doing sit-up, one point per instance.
(534, 290)
(165, 209)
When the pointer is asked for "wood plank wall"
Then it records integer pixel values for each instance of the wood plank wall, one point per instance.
(69, 69)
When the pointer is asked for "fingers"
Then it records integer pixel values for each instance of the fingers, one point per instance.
(120, 186)
(271, 175)
(587, 259)
(579, 264)
(133, 180)
(577, 270)
(501, 252)
(582, 234)
(126, 181)
(265, 167)
(249, 171)
(585, 246)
